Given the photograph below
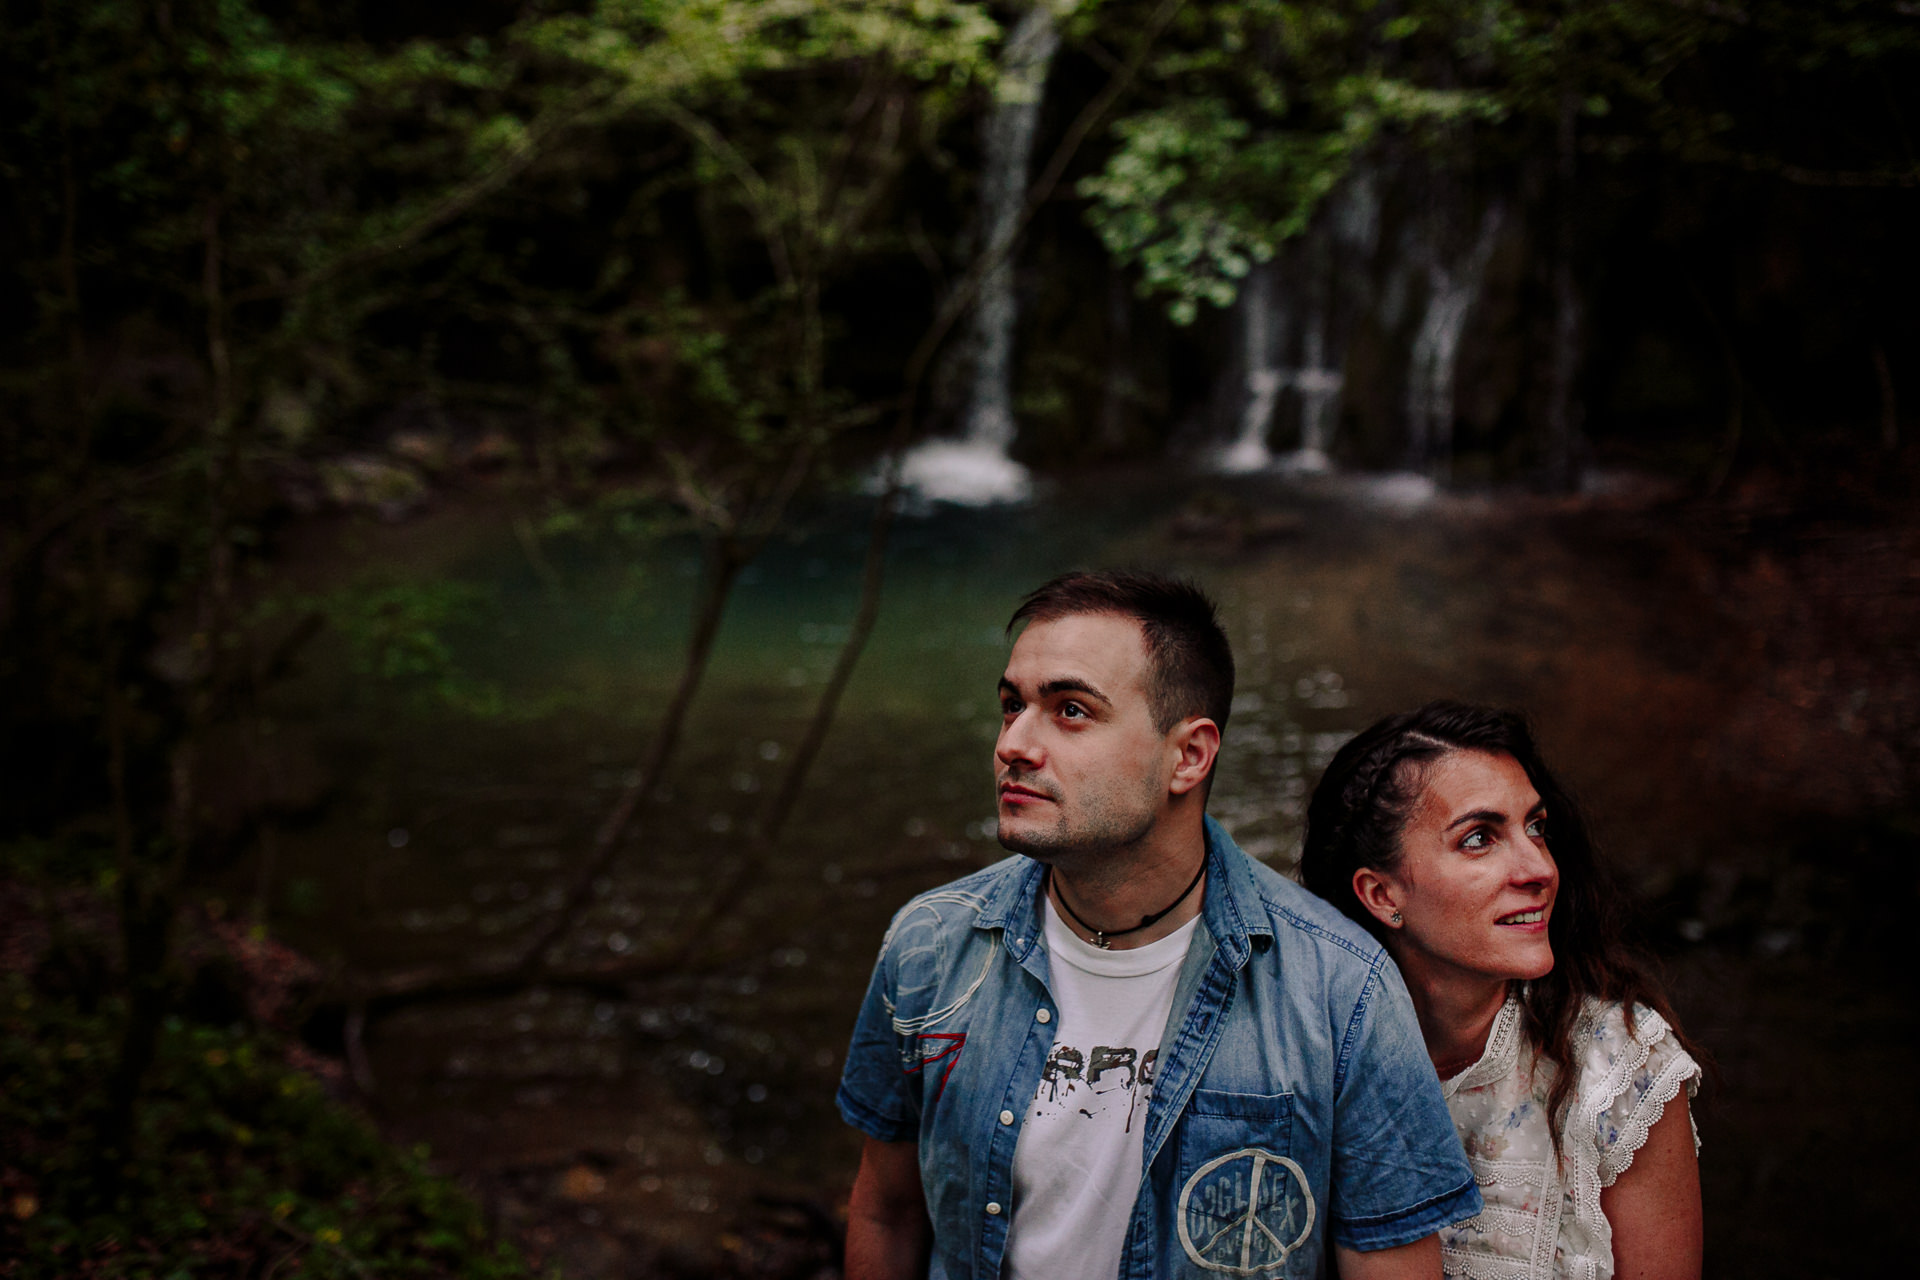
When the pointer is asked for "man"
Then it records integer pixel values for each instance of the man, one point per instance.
(1129, 1050)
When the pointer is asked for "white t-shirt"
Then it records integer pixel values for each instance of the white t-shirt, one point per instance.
(1076, 1168)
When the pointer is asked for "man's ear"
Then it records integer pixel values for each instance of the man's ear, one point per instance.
(1378, 896)
(1197, 743)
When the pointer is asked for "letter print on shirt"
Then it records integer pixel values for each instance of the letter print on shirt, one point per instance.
(1242, 1213)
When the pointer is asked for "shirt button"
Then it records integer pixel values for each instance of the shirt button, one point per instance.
(1043, 1016)
(1006, 1117)
(993, 1208)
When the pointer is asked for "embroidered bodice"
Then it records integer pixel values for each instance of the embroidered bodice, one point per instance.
(1542, 1219)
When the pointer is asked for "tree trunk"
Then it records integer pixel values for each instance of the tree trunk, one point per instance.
(724, 562)
(1563, 425)
(1119, 385)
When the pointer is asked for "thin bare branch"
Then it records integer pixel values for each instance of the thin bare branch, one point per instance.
(760, 196)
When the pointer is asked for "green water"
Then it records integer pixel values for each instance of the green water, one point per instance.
(652, 1121)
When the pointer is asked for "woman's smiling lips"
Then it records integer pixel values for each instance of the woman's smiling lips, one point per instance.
(1532, 919)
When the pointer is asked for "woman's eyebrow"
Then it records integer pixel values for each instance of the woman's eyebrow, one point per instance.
(1478, 815)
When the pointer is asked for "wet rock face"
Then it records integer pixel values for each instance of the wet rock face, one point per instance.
(364, 481)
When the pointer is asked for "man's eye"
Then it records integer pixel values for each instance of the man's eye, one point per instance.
(1010, 707)
(1073, 711)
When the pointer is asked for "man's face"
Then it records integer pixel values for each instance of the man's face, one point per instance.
(1079, 763)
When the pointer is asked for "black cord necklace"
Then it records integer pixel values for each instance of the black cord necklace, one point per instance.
(1101, 936)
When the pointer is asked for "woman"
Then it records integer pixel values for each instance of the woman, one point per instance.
(1442, 832)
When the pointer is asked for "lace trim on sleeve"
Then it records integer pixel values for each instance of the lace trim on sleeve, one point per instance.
(1677, 1069)
(1591, 1168)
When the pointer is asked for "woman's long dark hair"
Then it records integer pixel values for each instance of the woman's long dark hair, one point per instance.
(1361, 806)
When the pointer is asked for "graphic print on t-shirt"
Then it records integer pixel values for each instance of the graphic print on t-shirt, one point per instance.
(1087, 1081)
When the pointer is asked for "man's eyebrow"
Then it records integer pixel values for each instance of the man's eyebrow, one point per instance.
(1072, 684)
(1059, 684)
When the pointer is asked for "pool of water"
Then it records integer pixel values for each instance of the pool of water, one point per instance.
(651, 1125)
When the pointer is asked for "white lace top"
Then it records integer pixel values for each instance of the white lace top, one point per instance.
(1542, 1220)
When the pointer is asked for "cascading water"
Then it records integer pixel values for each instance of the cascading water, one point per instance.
(1453, 286)
(1260, 316)
(1283, 352)
(975, 469)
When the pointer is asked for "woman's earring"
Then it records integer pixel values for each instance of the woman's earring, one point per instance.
(1394, 918)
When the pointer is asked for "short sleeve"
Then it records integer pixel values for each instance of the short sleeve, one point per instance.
(877, 1094)
(1644, 1070)
(1398, 1172)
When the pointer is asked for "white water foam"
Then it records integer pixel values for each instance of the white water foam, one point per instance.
(968, 473)
(1243, 457)
(1401, 491)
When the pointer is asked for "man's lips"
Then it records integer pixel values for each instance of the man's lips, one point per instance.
(1014, 793)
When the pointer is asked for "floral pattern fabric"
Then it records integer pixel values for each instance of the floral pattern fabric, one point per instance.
(1542, 1218)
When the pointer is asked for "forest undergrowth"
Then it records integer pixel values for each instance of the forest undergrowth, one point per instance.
(247, 1157)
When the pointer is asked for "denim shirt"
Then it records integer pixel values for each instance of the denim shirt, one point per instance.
(1293, 1095)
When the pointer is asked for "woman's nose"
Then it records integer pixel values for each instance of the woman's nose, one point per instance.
(1533, 864)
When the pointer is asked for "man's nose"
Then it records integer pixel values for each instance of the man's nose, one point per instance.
(1017, 743)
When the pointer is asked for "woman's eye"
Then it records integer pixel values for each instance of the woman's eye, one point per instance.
(1475, 839)
(1537, 829)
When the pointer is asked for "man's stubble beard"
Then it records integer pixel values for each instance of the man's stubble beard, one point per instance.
(1103, 833)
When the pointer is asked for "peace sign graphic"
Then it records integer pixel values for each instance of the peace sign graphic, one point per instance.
(1242, 1213)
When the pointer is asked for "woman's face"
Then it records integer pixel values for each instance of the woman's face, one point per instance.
(1476, 884)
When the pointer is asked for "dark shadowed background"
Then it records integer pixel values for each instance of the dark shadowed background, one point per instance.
(508, 512)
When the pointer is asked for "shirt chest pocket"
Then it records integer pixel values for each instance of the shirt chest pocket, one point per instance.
(1244, 1205)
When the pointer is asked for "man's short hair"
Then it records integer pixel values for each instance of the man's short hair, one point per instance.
(1188, 653)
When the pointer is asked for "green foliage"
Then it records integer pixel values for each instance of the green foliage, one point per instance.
(1255, 110)
(241, 1163)
(400, 633)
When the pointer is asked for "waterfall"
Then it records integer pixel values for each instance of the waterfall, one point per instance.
(1452, 288)
(1296, 317)
(1259, 347)
(1007, 154)
(976, 469)
(1319, 385)
(1267, 332)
